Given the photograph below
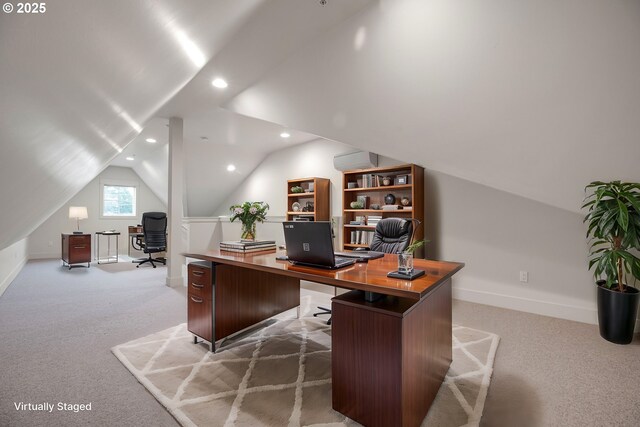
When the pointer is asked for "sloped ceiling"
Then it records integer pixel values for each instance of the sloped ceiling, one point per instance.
(274, 32)
(80, 81)
(535, 98)
(215, 138)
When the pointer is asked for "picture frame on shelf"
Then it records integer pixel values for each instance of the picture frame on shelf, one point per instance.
(401, 180)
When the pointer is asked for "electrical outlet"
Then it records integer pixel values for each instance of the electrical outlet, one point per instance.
(524, 276)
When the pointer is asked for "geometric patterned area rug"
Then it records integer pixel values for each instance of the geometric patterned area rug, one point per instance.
(280, 374)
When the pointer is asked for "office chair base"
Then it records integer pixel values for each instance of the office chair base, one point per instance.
(324, 311)
(152, 261)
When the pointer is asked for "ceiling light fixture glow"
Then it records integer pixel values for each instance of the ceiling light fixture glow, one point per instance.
(151, 140)
(131, 158)
(191, 49)
(285, 134)
(231, 168)
(220, 83)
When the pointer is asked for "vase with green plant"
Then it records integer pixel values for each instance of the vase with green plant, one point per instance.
(249, 213)
(613, 231)
(405, 258)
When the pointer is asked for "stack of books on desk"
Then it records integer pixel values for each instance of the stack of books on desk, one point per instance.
(240, 246)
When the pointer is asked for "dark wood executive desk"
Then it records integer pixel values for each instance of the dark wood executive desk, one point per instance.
(388, 358)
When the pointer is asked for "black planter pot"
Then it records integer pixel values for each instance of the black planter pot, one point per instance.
(617, 313)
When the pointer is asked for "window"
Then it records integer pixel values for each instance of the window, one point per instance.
(118, 200)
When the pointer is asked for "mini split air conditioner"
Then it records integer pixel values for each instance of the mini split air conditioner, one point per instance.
(357, 160)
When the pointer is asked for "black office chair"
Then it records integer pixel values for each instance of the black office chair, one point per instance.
(154, 231)
(391, 236)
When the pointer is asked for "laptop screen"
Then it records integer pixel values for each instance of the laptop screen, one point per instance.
(309, 242)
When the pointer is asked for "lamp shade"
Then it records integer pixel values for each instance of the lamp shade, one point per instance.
(78, 212)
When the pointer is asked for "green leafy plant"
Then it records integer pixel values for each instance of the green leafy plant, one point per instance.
(297, 189)
(613, 230)
(415, 245)
(249, 213)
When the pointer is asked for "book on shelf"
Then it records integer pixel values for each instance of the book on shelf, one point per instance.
(370, 180)
(392, 207)
(361, 237)
(373, 219)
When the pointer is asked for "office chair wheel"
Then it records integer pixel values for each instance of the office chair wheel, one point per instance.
(324, 311)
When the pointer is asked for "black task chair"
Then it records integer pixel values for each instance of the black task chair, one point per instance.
(391, 236)
(154, 231)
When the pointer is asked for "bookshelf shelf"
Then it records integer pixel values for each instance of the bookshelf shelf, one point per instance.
(301, 195)
(319, 197)
(368, 187)
(379, 188)
(380, 211)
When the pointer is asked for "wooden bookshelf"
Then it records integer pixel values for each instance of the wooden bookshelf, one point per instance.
(375, 191)
(319, 197)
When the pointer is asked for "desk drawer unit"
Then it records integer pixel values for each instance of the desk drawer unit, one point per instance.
(223, 300)
(200, 283)
(393, 354)
(200, 300)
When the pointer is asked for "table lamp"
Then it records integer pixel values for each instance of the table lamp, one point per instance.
(78, 212)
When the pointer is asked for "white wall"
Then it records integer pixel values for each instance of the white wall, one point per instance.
(268, 181)
(12, 259)
(495, 233)
(44, 242)
(536, 98)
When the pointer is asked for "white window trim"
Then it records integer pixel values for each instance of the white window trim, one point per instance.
(122, 183)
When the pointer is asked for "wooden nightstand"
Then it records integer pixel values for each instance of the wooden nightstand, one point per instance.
(76, 249)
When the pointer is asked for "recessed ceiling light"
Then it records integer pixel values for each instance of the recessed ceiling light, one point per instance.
(204, 138)
(231, 168)
(285, 134)
(219, 83)
(131, 158)
(151, 140)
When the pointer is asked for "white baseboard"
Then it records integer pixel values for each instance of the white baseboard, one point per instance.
(12, 275)
(544, 308)
(44, 255)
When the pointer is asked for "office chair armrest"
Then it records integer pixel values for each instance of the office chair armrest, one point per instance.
(137, 241)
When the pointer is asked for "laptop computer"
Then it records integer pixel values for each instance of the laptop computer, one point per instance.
(310, 244)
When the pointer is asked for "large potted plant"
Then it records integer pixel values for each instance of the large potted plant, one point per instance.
(613, 220)
(249, 213)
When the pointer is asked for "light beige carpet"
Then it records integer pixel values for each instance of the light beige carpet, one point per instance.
(280, 374)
